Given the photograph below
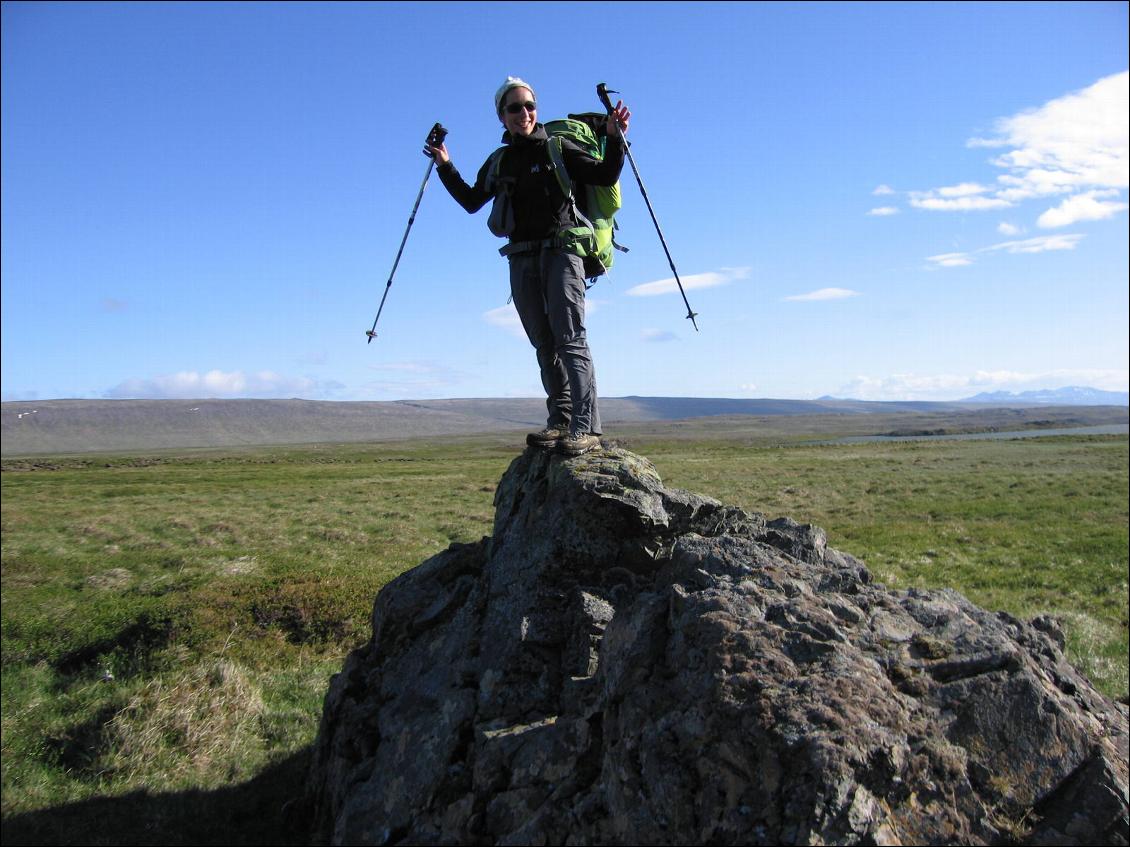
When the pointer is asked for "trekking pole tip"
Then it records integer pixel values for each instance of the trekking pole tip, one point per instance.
(371, 335)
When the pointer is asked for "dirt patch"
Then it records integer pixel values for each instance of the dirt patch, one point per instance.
(237, 566)
(114, 579)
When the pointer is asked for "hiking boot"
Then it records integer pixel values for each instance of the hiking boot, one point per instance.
(548, 437)
(575, 445)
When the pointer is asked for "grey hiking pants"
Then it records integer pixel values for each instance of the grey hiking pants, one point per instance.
(549, 293)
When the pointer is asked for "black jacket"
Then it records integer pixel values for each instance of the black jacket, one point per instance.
(541, 210)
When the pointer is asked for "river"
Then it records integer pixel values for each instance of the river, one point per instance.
(1109, 429)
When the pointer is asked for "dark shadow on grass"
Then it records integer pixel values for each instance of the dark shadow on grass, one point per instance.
(264, 810)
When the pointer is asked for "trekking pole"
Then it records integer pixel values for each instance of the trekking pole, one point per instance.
(602, 91)
(435, 138)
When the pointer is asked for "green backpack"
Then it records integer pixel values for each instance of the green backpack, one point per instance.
(594, 206)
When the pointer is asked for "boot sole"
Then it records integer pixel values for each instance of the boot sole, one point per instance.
(550, 443)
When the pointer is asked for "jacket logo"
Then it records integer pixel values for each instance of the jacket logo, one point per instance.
(535, 169)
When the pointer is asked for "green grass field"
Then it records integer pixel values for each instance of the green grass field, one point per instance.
(170, 622)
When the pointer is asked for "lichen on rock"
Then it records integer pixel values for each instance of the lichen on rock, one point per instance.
(620, 662)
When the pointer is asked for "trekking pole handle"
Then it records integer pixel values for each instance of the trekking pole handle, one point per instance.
(436, 136)
(602, 91)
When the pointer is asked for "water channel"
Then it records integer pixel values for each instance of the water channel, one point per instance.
(1108, 429)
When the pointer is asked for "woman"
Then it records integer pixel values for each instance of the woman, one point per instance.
(547, 281)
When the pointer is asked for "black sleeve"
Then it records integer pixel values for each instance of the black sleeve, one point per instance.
(584, 168)
(470, 197)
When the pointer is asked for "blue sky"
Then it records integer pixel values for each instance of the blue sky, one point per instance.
(882, 201)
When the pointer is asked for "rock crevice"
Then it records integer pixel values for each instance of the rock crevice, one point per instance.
(621, 662)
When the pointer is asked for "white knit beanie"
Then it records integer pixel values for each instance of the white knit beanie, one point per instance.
(511, 82)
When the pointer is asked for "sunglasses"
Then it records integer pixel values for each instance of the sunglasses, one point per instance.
(515, 108)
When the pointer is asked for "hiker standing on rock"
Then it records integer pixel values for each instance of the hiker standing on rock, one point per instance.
(547, 276)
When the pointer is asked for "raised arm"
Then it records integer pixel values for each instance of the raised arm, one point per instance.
(470, 197)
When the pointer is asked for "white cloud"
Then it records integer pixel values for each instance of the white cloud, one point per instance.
(1005, 228)
(1080, 207)
(656, 336)
(506, 318)
(186, 385)
(951, 260)
(1076, 144)
(709, 279)
(882, 190)
(965, 189)
(964, 197)
(825, 294)
(968, 203)
(901, 387)
(883, 211)
(908, 386)
(1040, 244)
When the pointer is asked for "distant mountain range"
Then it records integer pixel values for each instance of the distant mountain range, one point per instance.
(1072, 395)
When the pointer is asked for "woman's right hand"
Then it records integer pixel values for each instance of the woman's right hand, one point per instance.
(439, 153)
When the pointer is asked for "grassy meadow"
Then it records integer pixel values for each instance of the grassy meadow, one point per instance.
(171, 621)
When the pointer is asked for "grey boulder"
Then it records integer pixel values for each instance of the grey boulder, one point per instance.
(621, 662)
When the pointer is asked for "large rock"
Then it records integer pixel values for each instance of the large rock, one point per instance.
(625, 663)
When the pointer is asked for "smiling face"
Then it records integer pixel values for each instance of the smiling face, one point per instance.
(524, 121)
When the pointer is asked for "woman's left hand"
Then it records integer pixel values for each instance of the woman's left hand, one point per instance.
(619, 118)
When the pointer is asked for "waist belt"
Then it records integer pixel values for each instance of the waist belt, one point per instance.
(515, 247)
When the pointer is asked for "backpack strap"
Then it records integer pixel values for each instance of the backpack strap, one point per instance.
(493, 170)
(557, 157)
